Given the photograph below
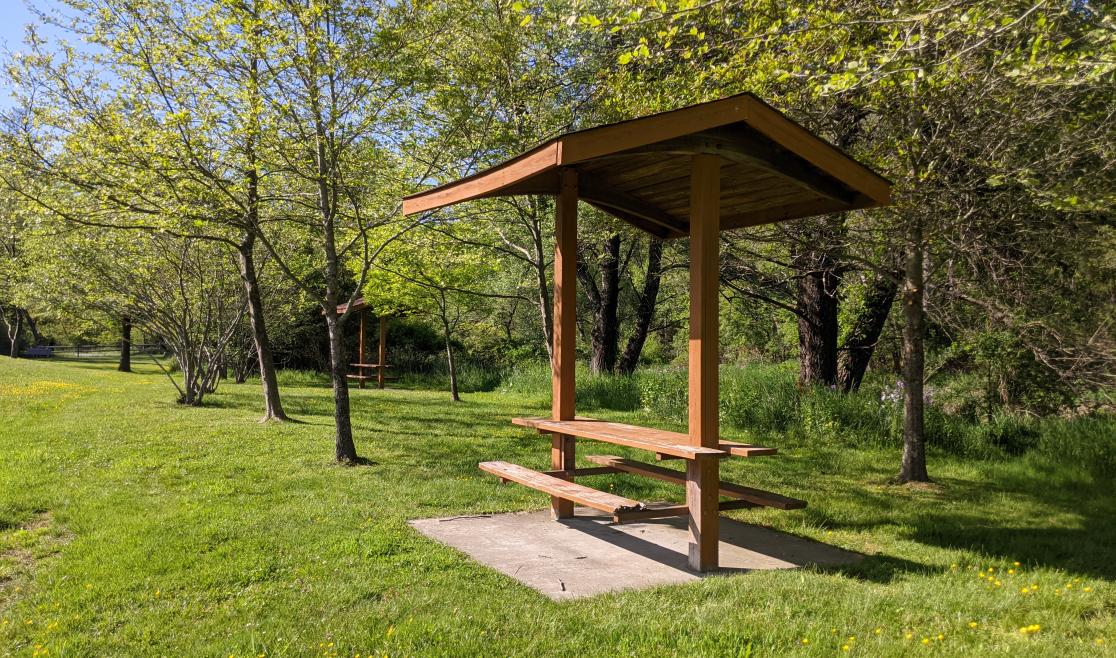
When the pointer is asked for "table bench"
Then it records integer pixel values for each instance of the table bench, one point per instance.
(664, 444)
(361, 377)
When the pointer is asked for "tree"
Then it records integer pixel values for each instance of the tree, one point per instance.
(174, 145)
(338, 72)
(125, 363)
(183, 290)
(944, 103)
(431, 273)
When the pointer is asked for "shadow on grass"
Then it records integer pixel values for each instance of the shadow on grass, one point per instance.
(1074, 520)
(879, 569)
(1076, 550)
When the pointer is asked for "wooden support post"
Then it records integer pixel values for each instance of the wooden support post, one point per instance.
(383, 352)
(565, 331)
(360, 349)
(702, 474)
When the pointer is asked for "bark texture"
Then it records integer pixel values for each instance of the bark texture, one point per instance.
(817, 319)
(865, 333)
(344, 448)
(273, 405)
(645, 309)
(913, 467)
(125, 364)
(605, 296)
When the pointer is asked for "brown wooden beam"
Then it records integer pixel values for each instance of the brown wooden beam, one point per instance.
(582, 472)
(638, 222)
(562, 447)
(612, 200)
(380, 372)
(702, 475)
(756, 497)
(743, 145)
(363, 313)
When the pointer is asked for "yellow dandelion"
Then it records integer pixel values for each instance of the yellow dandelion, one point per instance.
(973, 624)
(1100, 640)
(1017, 564)
(1077, 580)
(852, 638)
(1024, 591)
(940, 637)
(909, 636)
(1011, 571)
(878, 631)
(953, 566)
(390, 631)
(1086, 589)
(1069, 585)
(997, 583)
(844, 647)
(991, 570)
(925, 640)
(805, 640)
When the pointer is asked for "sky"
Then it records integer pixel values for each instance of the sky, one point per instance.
(14, 15)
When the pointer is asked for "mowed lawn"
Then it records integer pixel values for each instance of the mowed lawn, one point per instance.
(133, 526)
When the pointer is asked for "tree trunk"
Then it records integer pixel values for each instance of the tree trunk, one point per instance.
(817, 320)
(861, 341)
(450, 362)
(273, 406)
(645, 310)
(914, 439)
(14, 331)
(33, 327)
(546, 314)
(125, 364)
(345, 449)
(606, 325)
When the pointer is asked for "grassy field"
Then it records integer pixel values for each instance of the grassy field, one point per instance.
(133, 526)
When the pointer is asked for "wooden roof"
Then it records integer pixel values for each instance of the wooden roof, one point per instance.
(358, 305)
(639, 170)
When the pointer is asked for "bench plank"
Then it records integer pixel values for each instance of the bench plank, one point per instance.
(632, 436)
(564, 489)
(727, 489)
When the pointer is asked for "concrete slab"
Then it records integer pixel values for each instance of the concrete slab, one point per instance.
(588, 555)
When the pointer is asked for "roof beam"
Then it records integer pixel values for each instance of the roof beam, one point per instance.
(626, 206)
(748, 147)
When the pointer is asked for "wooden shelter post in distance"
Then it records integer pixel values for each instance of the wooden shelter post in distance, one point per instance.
(697, 171)
(362, 366)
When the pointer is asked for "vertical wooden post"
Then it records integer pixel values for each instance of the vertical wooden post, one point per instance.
(565, 330)
(703, 475)
(360, 349)
(383, 352)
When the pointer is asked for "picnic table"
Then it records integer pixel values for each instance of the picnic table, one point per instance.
(689, 173)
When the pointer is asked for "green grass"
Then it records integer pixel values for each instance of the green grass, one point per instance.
(133, 526)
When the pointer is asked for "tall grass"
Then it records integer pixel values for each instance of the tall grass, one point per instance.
(765, 401)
